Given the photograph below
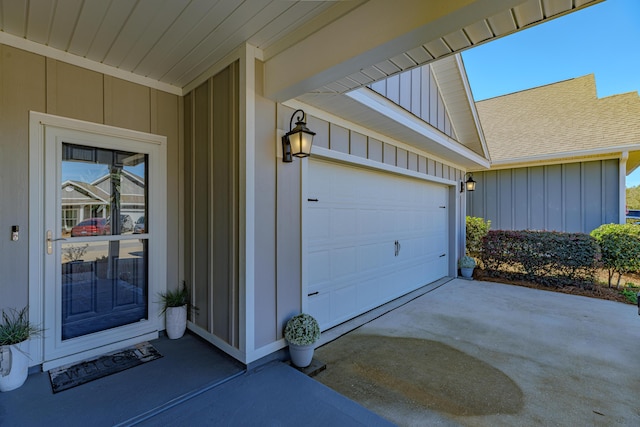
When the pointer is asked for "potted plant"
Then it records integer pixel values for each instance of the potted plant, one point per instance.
(175, 305)
(301, 332)
(466, 264)
(15, 331)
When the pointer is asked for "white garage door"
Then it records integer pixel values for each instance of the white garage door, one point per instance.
(371, 237)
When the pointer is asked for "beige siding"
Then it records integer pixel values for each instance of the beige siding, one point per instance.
(165, 116)
(211, 204)
(22, 88)
(266, 324)
(74, 92)
(29, 82)
(127, 105)
(288, 224)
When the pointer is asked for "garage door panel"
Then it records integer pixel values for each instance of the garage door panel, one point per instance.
(318, 224)
(319, 268)
(371, 256)
(344, 222)
(369, 222)
(343, 262)
(358, 267)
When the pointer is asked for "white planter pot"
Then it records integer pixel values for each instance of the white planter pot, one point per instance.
(14, 365)
(466, 272)
(176, 321)
(301, 355)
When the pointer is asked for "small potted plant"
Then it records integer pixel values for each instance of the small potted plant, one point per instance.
(15, 332)
(466, 264)
(301, 332)
(175, 305)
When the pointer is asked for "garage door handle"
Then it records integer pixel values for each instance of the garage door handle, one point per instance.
(397, 250)
(313, 293)
(443, 255)
(312, 200)
(443, 207)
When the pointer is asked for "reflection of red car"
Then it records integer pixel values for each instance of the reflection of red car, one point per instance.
(89, 227)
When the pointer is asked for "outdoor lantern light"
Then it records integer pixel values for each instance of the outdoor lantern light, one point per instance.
(469, 184)
(297, 142)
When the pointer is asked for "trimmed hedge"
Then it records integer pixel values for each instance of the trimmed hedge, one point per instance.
(477, 228)
(546, 257)
(620, 246)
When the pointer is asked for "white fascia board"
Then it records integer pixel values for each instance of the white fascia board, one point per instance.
(332, 118)
(59, 55)
(398, 114)
(565, 157)
(337, 156)
(472, 105)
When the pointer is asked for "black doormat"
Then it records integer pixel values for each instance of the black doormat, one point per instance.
(69, 376)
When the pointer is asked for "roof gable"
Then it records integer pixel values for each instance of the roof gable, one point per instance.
(439, 94)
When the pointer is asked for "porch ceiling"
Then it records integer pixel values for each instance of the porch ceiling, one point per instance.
(171, 43)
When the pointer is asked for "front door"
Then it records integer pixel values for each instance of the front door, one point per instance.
(97, 234)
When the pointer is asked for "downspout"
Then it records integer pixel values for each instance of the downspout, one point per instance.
(622, 188)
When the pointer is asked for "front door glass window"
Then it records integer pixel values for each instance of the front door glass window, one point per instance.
(104, 258)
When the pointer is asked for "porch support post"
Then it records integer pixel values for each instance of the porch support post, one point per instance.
(622, 187)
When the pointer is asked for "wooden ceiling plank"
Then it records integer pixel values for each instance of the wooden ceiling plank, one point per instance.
(88, 24)
(281, 24)
(228, 35)
(528, 13)
(63, 23)
(403, 61)
(113, 23)
(160, 23)
(361, 78)
(556, 7)
(141, 17)
(388, 67)
(39, 22)
(374, 73)
(438, 48)
(478, 32)
(14, 17)
(502, 23)
(457, 40)
(171, 44)
(419, 55)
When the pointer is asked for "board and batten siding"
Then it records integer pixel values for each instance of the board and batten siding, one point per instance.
(31, 82)
(417, 92)
(211, 203)
(340, 139)
(571, 197)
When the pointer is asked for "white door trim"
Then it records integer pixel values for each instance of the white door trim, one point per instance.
(38, 123)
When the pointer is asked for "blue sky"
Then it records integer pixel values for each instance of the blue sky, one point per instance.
(603, 39)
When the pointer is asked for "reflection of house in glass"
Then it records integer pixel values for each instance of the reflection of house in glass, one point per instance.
(82, 200)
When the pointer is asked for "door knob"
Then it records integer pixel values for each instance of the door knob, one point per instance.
(50, 241)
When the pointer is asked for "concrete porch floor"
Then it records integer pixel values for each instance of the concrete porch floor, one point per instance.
(192, 384)
(486, 354)
(453, 353)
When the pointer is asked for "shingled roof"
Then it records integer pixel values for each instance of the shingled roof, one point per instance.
(563, 119)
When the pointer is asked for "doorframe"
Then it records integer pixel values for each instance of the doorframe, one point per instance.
(36, 220)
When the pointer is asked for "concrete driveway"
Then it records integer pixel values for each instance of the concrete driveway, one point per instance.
(486, 354)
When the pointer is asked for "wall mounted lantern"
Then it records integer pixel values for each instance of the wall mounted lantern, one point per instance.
(469, 184)
(297, 142)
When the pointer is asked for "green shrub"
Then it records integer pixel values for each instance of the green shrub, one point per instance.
(620, 246)
(546, 257)
(477, 228)
(630, 295)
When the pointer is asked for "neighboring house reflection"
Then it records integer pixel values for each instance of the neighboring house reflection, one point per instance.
(82, 200)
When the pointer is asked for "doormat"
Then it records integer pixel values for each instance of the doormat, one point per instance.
(69, 376)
